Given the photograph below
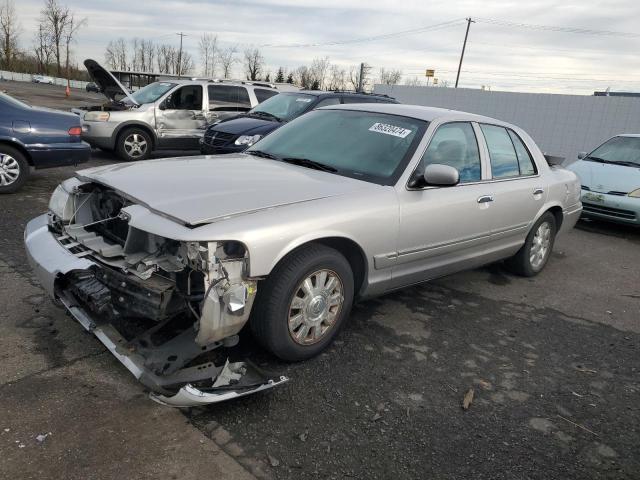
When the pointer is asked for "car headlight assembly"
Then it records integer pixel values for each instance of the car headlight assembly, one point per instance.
(96, 116)
(247, 140)
(635, 193)
(61, 204)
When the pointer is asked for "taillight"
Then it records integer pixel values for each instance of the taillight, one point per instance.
(75, 131)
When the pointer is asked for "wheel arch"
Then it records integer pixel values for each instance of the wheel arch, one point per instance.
(135, 124)
(18, 146)
(348, 247)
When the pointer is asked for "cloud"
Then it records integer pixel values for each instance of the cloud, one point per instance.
(499, 56)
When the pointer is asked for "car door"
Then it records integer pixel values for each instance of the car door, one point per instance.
(180, 118)
(515, 186)
(445, 229)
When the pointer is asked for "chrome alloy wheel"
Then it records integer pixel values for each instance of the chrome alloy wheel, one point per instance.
(540, 246)
(135, 145)
(9, 169)
(315, 307)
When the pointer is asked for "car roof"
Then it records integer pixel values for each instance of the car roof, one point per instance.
(419, 112)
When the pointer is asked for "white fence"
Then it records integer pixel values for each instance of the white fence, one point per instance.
(560, 124)
(27, 77)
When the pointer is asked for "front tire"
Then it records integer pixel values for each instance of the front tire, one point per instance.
(134, 144)
(303, 303)
(537, 248)
(14, 169)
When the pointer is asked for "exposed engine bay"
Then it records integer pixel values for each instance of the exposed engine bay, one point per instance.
(158, 304)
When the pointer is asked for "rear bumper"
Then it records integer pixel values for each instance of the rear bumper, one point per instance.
(570, 217)
(50, 261)
(614, 208)
(59, 154)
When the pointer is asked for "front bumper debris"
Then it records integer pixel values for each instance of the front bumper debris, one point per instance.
(169, 368)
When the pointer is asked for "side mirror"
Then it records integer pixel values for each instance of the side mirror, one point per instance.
(581, 155)
(441, 175)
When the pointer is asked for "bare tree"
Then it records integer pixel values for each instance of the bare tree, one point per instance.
(9, 30)
(184, 63)
(390, 77)
(70, 31)
(302, 77)
(166, 58)
(337, 78)
(227, 60)
(208, 46)
(55, 18)
(318, 71)
(253, 63)
(42, 49)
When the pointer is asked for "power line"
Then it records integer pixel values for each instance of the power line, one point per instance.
(556, 28)
(384, 36)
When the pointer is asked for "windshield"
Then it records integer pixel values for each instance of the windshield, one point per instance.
(13, 101)
(285, 106)
(369, 146)
(625, 150)
(152, 92)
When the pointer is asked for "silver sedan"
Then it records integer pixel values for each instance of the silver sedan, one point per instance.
(168, 259)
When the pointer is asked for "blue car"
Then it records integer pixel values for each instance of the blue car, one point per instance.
(33, 137)
(610, 177)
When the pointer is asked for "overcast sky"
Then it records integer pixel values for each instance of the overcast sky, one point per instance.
(502, 56)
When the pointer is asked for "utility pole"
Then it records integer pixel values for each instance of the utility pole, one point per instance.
(180, 54)
(364, 71)
(464, 45)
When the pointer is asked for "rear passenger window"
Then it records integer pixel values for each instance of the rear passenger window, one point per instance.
(455, 144)
(262, 94)
(504, 161)
(524, 157)
(227, 97)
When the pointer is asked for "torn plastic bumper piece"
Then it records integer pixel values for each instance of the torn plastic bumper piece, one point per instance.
(234, 380)
(198, 385)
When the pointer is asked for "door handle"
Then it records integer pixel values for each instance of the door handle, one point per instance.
(485, 199)
(538, 191)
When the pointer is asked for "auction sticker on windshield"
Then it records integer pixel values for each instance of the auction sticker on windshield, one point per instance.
(389, 130)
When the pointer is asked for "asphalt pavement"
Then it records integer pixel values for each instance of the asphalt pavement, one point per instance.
(553, 363)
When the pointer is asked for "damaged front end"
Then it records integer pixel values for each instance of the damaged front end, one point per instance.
(162, 307)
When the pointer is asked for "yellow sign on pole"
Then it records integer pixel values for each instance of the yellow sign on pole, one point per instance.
(429, 73)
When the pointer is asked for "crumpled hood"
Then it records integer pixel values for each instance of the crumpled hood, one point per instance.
(606, 177)
(204, 189)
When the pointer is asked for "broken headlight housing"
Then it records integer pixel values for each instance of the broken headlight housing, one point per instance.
(61, 203)
(247, 140)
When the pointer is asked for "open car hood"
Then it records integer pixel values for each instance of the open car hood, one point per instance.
(107, 83)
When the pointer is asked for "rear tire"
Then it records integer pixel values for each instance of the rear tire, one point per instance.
(534, 254)
(303, 303)
(134, 144)
(14, 169)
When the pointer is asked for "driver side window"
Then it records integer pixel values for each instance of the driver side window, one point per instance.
(455, 144)
(188, 97)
